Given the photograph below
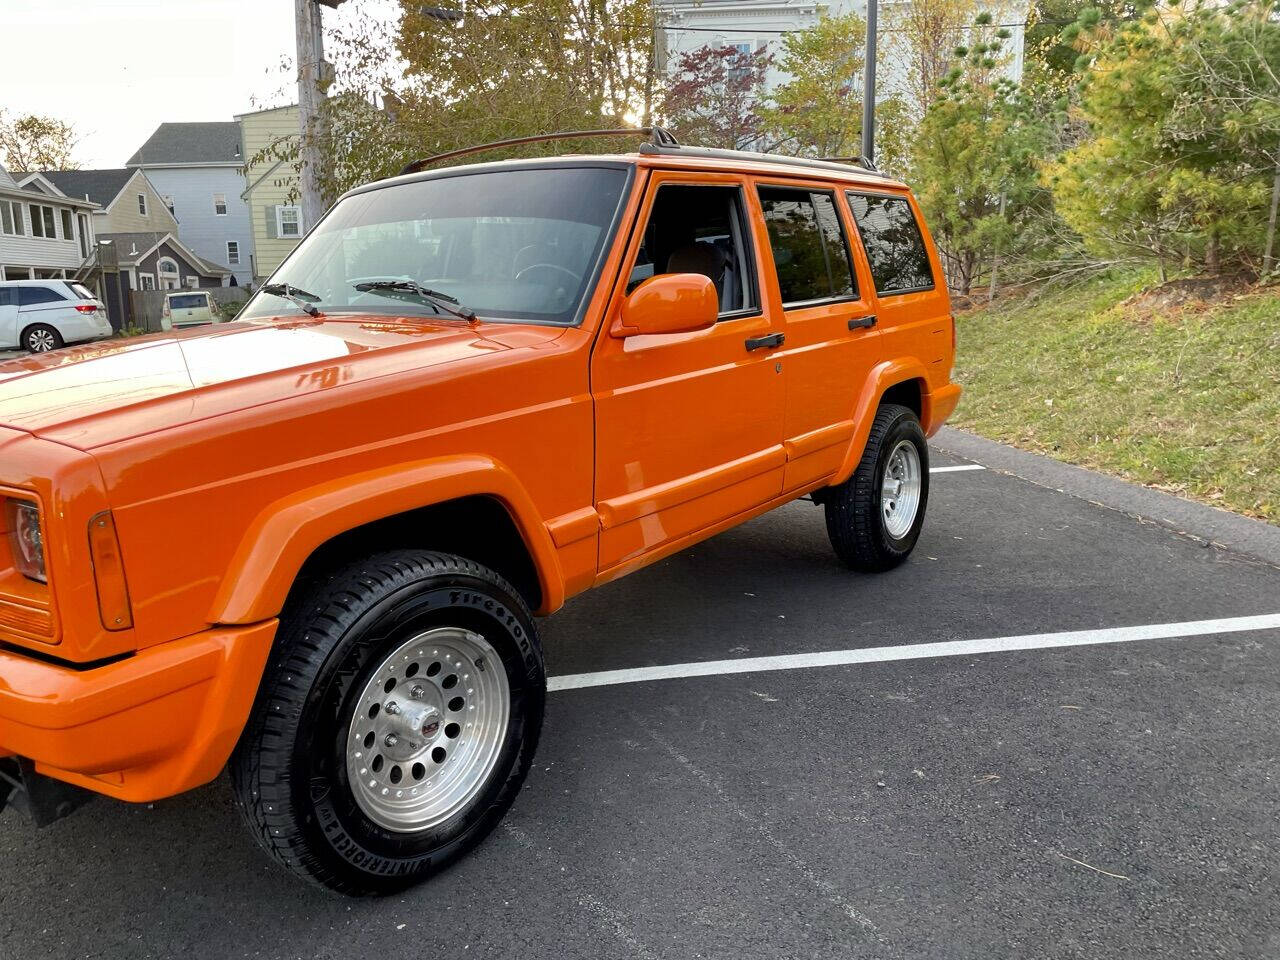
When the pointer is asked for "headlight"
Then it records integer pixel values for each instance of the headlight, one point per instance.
(26, 541)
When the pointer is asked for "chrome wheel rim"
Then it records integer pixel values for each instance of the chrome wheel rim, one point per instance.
(425, 734)
(40, 341)
(900, 489)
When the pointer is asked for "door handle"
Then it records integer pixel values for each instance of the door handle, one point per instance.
(858, 323)
(770, 341)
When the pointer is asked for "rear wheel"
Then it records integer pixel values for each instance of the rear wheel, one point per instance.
(41, 338)
(395, 724)
(874, 518)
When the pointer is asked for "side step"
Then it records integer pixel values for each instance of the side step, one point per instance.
(42, 799)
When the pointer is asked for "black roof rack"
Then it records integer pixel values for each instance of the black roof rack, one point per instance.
(825, 163)
(661, 143)
(658, 137)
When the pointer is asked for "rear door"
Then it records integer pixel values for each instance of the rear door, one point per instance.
(914, 313)
(831, 338)
(688, 425)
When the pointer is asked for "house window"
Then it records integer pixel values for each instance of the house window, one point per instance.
(42, 222)
(220, 204)
(233, 252)
(84, 234)
(11, 217)
(146, 281)
(167, 270)
(168, 202)
(288, 221)
(67, 232)
(193, 282)
(142, 204)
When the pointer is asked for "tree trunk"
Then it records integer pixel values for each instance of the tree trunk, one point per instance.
(1267, 259)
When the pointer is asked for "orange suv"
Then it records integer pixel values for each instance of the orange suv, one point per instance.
(309, 545)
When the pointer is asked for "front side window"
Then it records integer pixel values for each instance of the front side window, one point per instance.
(289, 221)
(700, 229)
(220, 204)
(142, 204)
(8, 296)
(233, 252)
(509, 244)
(895, 247)
(810, 251)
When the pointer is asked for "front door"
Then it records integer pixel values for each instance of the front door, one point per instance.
(831, 338)
(689, 425)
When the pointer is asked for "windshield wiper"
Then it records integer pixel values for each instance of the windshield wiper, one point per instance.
(299, 298)
(439, 301)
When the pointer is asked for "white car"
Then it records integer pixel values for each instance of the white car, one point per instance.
(188, 310)
(42, 315)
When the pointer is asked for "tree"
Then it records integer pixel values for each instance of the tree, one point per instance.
(817, 110)
(713, 97)
(927, 32)
(975, 159)
(32, 142)
(1183, 109)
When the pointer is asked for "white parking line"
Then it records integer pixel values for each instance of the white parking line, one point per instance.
(958, 468)
(916, 651)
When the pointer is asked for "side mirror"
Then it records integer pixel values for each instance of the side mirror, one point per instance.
(669, 303)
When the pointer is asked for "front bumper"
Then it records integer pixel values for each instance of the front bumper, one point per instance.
(154, 724)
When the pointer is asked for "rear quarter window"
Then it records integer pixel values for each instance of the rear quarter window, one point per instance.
(81, 291)
(30, 296)
(895, 247)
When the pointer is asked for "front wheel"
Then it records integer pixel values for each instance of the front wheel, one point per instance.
(396, 722)
(874, 517)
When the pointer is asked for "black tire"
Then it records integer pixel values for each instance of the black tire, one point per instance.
(41, 338)
(855, 522)
(288, 771)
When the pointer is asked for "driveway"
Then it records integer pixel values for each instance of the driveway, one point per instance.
(1051, 734)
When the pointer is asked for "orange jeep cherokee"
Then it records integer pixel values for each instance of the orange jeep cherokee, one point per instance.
(309, 545)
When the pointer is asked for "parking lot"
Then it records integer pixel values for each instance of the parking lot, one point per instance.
(1078, 790)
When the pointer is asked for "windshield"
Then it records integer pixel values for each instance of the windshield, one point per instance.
(514, 244)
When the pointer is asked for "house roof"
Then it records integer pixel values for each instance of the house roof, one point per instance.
(190, 143)
(143, 243)
(101, 186)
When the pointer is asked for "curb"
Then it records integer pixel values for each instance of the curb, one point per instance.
(1221, 528)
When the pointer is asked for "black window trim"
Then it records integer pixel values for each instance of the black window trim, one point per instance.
(744, 227)
(809, 188)
(904, 291)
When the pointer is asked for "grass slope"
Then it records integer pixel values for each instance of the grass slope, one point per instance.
(1184, 398)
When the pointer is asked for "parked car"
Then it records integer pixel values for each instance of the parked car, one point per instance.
(42, 315)
(316, 542)
(188, 309)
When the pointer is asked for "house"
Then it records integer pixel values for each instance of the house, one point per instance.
(137, 246)
(268, 139)
(197, 170)
(43, 232)
(761, 24)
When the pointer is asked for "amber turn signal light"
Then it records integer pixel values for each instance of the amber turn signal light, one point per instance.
(108, 573)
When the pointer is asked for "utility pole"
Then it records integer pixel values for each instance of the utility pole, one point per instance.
(869, 88)
(313, 77)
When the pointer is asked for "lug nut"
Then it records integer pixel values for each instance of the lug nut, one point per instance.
(391, 740)
(417, 692)
(391, 707)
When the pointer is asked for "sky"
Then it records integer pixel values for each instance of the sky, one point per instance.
(117, 69)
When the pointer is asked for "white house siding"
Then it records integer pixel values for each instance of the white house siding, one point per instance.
(199, 227)
(19, 255)
(696, 23)
(269, 184)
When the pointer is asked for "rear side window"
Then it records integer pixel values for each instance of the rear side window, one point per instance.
(188, 300)
(810, 251)
(895, 247)
(28, 296)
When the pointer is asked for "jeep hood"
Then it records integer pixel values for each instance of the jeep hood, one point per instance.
(100, 393)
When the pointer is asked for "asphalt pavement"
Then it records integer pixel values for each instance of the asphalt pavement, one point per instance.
(1076, 791)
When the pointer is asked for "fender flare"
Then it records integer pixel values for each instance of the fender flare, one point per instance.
(883, 375)
(287, 531)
